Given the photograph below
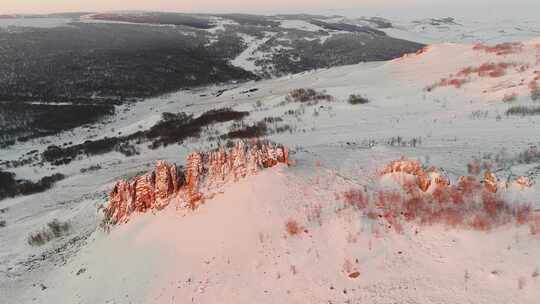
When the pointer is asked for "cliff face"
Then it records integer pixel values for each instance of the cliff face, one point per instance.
(204, 173)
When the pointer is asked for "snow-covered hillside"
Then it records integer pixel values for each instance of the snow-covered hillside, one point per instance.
(284, 235)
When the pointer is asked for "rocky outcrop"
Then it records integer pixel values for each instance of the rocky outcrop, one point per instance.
(523, 182)
(427, 196)
(403, 170)
(204, 174)
(423, 178)
(120, 201)
(490, 182)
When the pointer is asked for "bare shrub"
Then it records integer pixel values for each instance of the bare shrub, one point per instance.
(501, 48)
(354, 275)
(308, 96)
(247, 131)
(91, 168)
(2, 223)
(402, 142)
(171, 129)
(357, 99)
(448, 82)
(53, 230)
(479, 114)
(493, 70)
(292, 227)
(523, 111)
(271, 119)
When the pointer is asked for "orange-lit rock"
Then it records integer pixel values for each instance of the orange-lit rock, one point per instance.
(120, 200)
(414, 168)
(194, 169)
(144, 192)
(439, 179)
(423, 181)
(205, 172)
(165, 185)
(490, 182)
(523, 182)
(405, 166)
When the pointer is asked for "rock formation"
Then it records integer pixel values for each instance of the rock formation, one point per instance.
(204, 173)
(490, 182)
(523, 182)
(402, 170)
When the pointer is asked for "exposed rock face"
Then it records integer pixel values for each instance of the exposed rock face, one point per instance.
(205, 172)
(167, 183)
(120, 200)
(423, 178)
(144, 192)
(426, 179)
(490, 182)
(194, 170)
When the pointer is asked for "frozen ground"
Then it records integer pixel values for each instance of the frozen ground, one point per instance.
(236, 249)
(6, 24)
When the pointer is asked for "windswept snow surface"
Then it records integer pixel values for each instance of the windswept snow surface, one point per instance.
(235, 248)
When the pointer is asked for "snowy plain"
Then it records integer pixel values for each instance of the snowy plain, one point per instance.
(235, 248)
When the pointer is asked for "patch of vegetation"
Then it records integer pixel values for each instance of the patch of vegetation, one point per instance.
(172, 128)
(535, 95)
(23, 121)
(478, 114)
(293, 227)
(2, 223)
(91, 169)
(355, 99)
(64, 155)
(11, 187)
(258, 129)
(175, 128)
(53, 230)
(523, 111)
(503, 160)
(401, 142)
(308, 96)
(159, 18)
(271, 119)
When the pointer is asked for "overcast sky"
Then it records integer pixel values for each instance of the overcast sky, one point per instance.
(350, 7)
